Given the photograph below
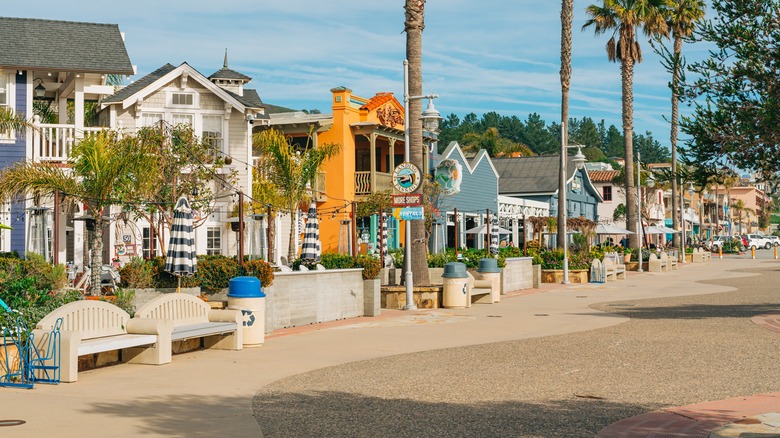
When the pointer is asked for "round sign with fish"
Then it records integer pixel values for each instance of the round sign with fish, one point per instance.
(406, 177)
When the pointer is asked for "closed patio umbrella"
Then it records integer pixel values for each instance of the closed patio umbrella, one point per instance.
(494, 231)
(654, 229)
(383, 237)
(311, 251)
(611, 229)
(181, 259)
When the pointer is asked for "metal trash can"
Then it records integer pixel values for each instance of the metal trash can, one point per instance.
(246, 294)
(489, 270)
(455, 295)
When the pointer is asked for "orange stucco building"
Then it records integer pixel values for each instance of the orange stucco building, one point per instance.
(370, 132)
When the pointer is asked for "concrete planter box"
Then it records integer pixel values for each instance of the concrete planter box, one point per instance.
(634, 266)
(372, 297)
(425, 297)
(312, 297)
(556, 275)
(537, 275)
(518, 274)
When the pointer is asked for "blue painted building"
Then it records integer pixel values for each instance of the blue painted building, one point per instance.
(477, 198)
(51, 63)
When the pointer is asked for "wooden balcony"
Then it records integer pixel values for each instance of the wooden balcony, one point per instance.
(364, 185)
(53, 142)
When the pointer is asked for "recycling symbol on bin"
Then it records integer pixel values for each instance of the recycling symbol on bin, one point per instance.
(248, 322)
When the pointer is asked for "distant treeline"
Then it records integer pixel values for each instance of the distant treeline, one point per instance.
(602, 142)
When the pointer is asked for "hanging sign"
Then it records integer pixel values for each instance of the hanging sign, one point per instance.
(409, 214)
(449, 175)
(406, 177)
(410, 200)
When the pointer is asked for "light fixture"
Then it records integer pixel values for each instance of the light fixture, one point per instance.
(650, 181)
(691, 190)
(579, 159)
(431, 117)
(40, 90)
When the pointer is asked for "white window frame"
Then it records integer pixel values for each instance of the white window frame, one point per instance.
(147, 116)
(10, 94)
(220, 139)
(211, 249)
(190, 116)
(169, 99)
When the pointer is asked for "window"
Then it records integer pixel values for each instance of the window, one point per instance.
(213, 241)
(182, 119)
(146, 242)
(151, 119)
(607, 193)
(212, 132)
(185, 99)
(6, 100)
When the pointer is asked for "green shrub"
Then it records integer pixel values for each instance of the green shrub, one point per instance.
(337, 261)
(138, 273)
(371, 266)
(215, 271)
(124, 299)
(31, 282)
(260, 269)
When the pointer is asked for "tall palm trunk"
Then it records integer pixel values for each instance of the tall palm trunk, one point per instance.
(292, 249)
(676, 212)
(627, 76)
(96, 249)
(414, 25)
(567, 7)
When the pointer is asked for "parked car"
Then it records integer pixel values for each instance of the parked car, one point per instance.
(718, 242)
(774, 239)
(756, 241)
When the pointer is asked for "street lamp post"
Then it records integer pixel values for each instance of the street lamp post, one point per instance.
(682, 221)
(579, 162)
(430, 118)
(650, 184)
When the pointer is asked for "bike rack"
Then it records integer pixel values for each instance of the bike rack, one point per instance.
(23, 364)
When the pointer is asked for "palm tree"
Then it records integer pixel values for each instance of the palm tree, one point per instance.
(414, 23)
(567, 14)
(681, 17)
(101, 172)
(624, 18)
(11, 121)
(292, 171)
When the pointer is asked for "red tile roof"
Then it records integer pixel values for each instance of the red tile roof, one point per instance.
(602, 175)
(377, 101)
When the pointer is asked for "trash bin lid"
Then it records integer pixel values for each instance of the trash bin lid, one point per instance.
(488, 265)
(454, 270)
(245, 287)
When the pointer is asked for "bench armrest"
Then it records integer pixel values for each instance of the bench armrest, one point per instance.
(149, 326)
(226, 315)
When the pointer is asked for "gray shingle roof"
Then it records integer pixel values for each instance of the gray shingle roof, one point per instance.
(63, 45)
(139, 85)
(250, 99)
(226, 73)
(530, 174)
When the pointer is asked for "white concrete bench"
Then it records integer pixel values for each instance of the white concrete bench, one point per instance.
(620, 267)
(90, 327)
(610, 271)
(480, 291)
(704, 255)
(672, 259)
(655, 264)
(192, 318)
(666, 261)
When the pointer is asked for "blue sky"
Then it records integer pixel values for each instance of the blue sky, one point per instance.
(491, 55)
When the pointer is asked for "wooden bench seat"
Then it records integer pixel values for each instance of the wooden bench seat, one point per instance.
(191, 317)
(90, 327)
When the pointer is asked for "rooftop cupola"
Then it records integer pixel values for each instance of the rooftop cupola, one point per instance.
(228, 79)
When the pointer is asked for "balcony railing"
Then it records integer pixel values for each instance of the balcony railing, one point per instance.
(363, 182)
(53, 142)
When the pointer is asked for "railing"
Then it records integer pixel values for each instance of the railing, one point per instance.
(363, 182)
(53, 142)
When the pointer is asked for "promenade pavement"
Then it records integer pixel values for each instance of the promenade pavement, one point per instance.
(210, 393)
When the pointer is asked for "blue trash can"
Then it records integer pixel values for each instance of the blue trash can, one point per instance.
(246, 294)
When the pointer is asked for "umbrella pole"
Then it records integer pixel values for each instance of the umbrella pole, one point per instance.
(178, 289)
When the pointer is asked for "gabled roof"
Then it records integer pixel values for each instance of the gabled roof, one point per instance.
(63, 45)
(536, 175)
(158, 78)
(454, 148)
(378, 100)
(138, 85)
(250, 99)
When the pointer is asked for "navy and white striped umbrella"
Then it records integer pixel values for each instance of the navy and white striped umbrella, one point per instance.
(181, 259)
(382, 236)
(494, 235)
(312, 251)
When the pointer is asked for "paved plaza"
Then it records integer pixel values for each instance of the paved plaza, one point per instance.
(562, 361)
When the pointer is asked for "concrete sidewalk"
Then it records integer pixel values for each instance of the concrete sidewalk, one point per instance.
(205, 393)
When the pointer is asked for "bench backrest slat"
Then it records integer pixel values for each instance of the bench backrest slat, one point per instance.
(180, 309)
(93, 319)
